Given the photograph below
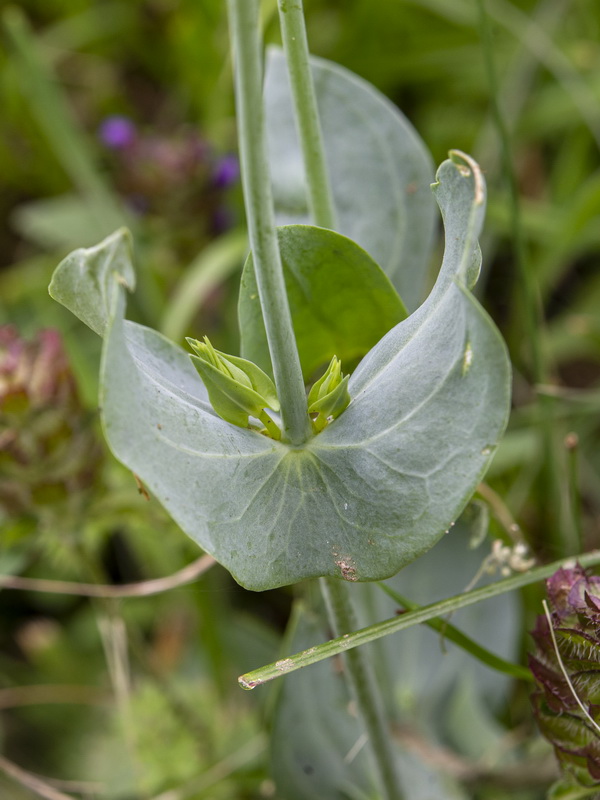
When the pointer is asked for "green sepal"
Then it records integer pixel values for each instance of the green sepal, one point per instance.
(329, 395)
(566, 790)
(236, 388)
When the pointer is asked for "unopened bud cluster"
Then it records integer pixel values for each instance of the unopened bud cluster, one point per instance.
(329, 395)
(239, 391)
(566, 667)
(237, 388)
(48, 450)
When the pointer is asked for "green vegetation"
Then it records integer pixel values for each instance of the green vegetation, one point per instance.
(122, 641)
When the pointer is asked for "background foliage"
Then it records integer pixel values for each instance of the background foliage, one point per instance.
(138, 697)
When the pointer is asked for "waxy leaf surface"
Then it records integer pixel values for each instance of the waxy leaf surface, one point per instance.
(323, 753)
(420, 674)
(332, 284)
(363, 498)
(379, 169)
(313, 725)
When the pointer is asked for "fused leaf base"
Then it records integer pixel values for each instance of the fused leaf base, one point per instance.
(364, 497)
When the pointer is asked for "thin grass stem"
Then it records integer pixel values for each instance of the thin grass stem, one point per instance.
(531, 300)
(453, 634)
(344, 643)
(563, 669)
(571, 494)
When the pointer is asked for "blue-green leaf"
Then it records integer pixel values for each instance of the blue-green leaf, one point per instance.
(358, 501)
(341, 301)
(325, 752)
(309, 757)
(380, 171)
(431, 686)
(84, 281)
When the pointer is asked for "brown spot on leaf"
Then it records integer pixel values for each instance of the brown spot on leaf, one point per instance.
(348, 569)
(141, 488)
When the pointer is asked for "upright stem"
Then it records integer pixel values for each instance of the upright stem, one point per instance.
(295, 44)
(243, 16)
(363, 685)
(360, 676)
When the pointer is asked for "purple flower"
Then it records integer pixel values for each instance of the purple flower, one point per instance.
(222, 220)
(568, 710)
(48, 451)
(37, 371)
(226, 171)
(117, 132)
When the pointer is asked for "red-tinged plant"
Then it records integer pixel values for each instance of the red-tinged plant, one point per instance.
(566, 667)
(47, 449)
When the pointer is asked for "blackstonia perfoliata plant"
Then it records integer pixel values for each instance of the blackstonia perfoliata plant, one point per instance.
(395, 449)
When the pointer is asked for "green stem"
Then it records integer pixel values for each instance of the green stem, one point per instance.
(270, 425)
(398, 623)
(364, 687)
(293, 31)
(243, 16)
(362, 681)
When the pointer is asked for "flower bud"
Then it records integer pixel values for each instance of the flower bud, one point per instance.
(237, 388)
(566, 666)
(329, 395)
(48, 451)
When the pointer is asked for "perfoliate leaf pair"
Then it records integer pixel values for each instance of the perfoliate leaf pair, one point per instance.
(377, 487)
(381, 483)
(331, 283)
(379, 169)
(237, 388)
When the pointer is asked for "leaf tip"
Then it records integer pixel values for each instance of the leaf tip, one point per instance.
(468, 168)
(246, 684)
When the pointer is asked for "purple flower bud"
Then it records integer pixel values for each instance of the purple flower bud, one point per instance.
(117, 132)
(36, 370)
(48, 450)
(568, 709)
(226, 172)
(222, 220)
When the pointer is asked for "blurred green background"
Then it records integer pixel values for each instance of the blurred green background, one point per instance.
(121, 113)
